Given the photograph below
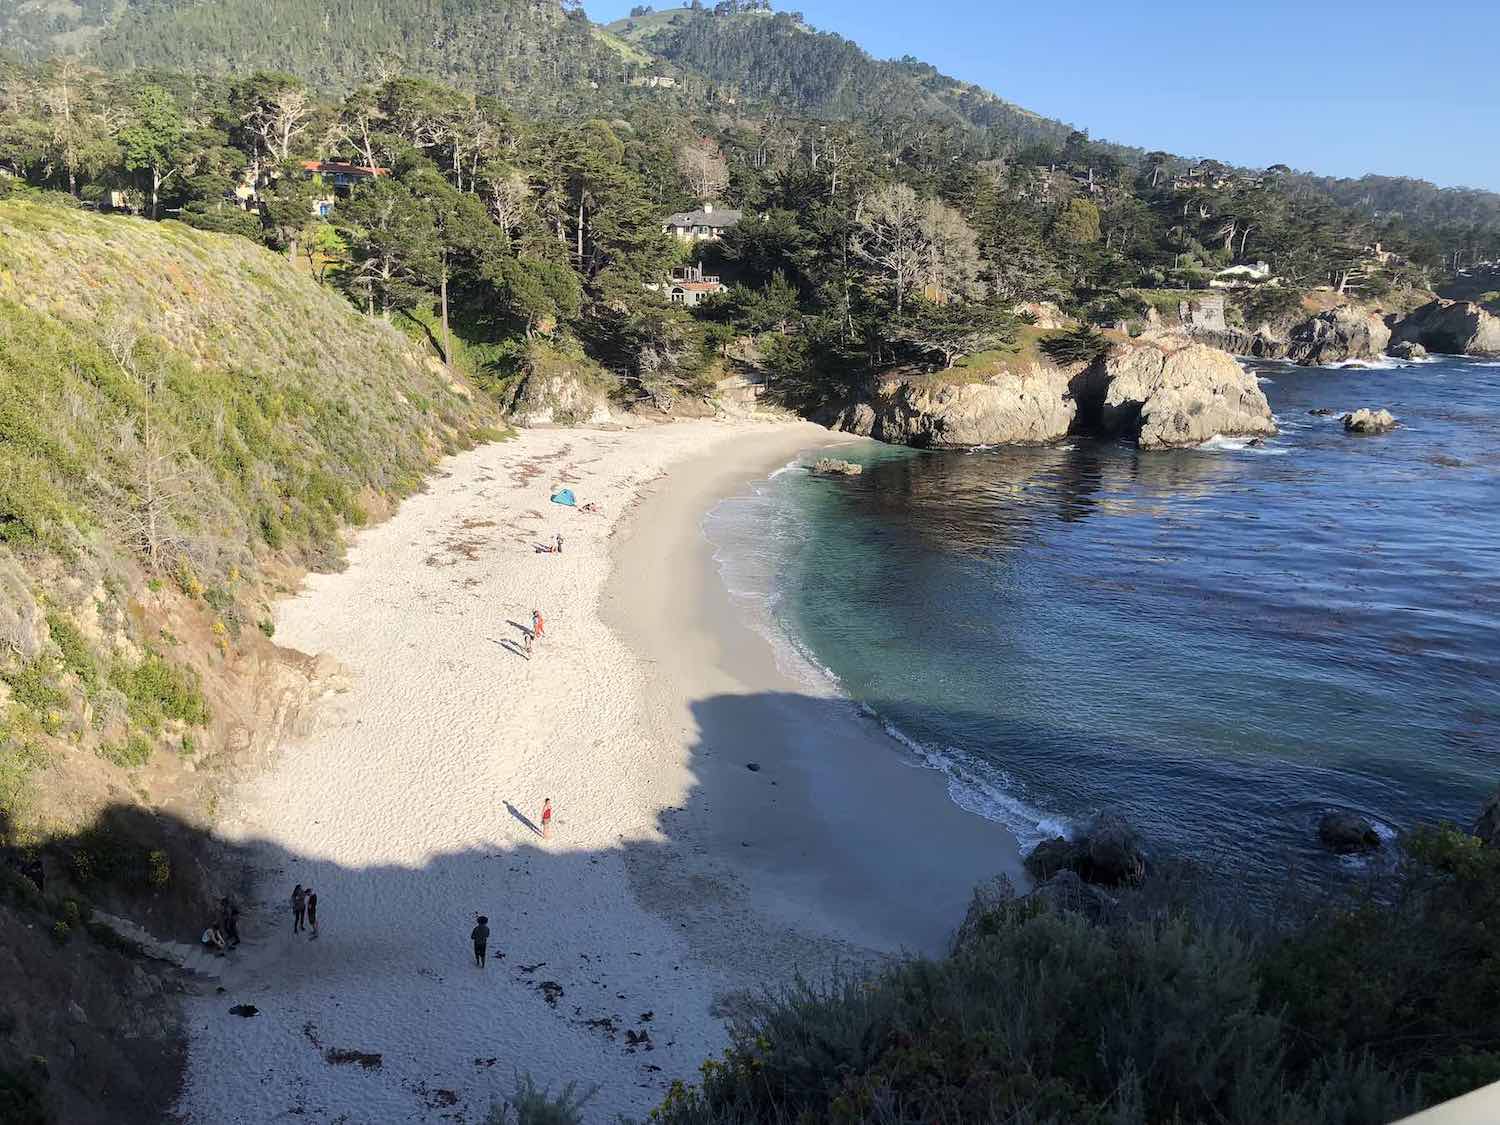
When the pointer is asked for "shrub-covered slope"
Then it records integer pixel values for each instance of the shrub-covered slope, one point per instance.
(183, 418)
(186, 424)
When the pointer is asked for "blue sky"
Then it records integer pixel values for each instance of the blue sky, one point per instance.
(1334, 86)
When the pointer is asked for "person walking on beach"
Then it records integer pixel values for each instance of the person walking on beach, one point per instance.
(558, 547)
(299, 908)
(480, 936)
(312, 912)
(547, 819)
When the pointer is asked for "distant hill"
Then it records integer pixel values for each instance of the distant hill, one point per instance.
(530, 51)
(776, 58)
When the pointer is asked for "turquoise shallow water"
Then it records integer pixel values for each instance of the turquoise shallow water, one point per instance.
(1221, 643)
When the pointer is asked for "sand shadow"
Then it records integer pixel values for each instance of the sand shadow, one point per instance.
(512, 646)
(525, 629)
(523, 818)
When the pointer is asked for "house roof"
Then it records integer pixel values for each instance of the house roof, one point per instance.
(702, 218)
(697, 286)
(335, 166)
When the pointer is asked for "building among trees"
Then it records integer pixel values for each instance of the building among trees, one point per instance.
(705, 224)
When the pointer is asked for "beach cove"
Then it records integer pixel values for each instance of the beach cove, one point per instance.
(677, 877)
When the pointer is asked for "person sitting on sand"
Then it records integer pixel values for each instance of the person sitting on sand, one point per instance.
(480, 936)
(213, 937)
(591, 507)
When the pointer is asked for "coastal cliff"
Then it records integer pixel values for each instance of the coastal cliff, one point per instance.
(1454, 327)
(1165, 392)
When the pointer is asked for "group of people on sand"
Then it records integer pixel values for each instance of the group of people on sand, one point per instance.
(223, 933)
(305, 910)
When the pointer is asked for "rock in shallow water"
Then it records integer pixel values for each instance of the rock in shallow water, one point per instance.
(1346, 833)
(1369, 422)
(841, 468)
(1175, 394)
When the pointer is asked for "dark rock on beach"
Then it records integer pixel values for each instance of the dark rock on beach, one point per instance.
(1347, 833)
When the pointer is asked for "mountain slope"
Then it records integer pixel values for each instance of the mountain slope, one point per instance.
(529, 51)
(777, 58)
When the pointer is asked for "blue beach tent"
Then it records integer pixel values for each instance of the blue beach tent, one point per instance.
(564, 496)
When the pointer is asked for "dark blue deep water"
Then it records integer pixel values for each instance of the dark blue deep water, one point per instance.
(1221, 643)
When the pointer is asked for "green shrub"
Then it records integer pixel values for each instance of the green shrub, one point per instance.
(157, 691)
(1077, 345)
(158, 868)
(20, 758)
(60, 932)
(34, 686)
(77, 656)
(529, 1105)
(21, 1099)
(133, 753)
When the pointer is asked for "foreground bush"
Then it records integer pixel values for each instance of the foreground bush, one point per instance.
(1355, 1013)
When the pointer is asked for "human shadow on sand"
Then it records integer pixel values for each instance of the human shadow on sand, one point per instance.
(523, 818)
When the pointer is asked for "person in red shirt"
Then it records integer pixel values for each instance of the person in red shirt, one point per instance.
(538, 626)
(547, 818)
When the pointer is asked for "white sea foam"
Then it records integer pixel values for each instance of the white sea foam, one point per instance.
(1220, 443)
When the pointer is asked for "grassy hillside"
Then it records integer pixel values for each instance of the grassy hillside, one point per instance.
(187, 423)
(182, 416)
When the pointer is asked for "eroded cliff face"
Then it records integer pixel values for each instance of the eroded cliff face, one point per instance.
(1166, 392)
(1033, 406)
(1452, 327)
(1171, 392)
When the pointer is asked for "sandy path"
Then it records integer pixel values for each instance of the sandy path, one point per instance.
(410, 810)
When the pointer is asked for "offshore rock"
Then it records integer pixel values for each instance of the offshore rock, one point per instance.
(1407, 349)
(1337, 336)
(1028, 407)
(1370, 422)
(1347, 833)
(1452, 327)
(840, 468)
(1171, 392)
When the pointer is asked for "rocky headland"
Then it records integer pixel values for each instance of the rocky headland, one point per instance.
(1166, 392)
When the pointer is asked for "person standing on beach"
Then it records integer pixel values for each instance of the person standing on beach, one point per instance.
(538, 626)
(558, 547)
(480, 936)
(299, 907)
(312, 912)
(547, 819)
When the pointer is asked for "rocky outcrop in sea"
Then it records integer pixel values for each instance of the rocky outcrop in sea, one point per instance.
(1165, 391)
(1453, 327)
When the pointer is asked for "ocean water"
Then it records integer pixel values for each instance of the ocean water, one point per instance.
(1221, 643)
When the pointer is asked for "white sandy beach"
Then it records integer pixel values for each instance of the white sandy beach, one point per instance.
(674, 876)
